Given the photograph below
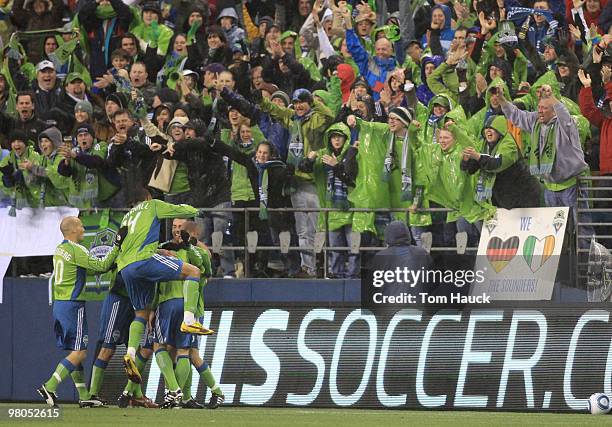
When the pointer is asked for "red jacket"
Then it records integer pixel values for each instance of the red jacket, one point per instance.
(603, 122)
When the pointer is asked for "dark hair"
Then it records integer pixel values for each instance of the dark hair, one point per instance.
(120, 112)
(218, 31)
(25, 93)
(140, 63)
(134, 39)
(120, 53)
(271, 148)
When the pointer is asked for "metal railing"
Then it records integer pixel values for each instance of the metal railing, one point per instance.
(598, 191)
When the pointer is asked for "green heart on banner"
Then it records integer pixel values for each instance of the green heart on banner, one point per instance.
(537, 251)
(500, 252)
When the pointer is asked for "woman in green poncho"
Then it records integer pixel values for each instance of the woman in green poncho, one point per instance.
(449, 186)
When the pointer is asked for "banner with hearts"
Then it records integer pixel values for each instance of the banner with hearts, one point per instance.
(500, 252)
(537, 251)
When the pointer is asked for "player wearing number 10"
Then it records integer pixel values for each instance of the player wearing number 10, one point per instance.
(71, 263)
(142, 267)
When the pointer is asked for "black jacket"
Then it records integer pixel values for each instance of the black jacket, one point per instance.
(32, 127)
(207, 172)
(514, 187)
(133, 160)
(278, 176)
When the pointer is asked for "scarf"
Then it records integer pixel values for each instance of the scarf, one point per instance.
(433, 122)
(83, 186)
(19, 198)
(406, 195)
(174, 64)
(296, 141)
(541, 161)
(486, 180)
(519, 14)
(337, 190)
(262, 183)
(105, 12)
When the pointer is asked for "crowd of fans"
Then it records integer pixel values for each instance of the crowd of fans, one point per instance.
(307, 104)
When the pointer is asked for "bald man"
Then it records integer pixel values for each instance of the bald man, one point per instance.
(554, 153)
(71, 262)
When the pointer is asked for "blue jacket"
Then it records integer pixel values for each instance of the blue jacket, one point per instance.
(374, 69)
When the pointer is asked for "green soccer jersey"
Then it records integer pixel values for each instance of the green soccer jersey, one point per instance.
(143, 223)
(174, 289)
(71, 264)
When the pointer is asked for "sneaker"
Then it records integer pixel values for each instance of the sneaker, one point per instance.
(172, 399)
(196, 329)
(49, 396)
(131, 369)
(276, 264)
(191, 404)
(124, 400)
(92, 402)
(215, 401)
(143, 402)
(228, 276)
(45, 275)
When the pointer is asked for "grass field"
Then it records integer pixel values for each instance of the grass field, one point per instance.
(294, 417)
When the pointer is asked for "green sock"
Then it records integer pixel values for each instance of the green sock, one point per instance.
(165, 366)
(62, 371)
(191, 293)
(137, 328)
(97, 376)
(187, 388)
(183, 366)
(78, 376)
(209, 379)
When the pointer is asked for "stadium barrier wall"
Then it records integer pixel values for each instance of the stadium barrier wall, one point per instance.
(325, 351)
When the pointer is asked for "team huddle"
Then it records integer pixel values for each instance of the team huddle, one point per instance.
(155, 305)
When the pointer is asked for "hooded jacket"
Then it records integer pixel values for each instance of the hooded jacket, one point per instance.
(345, 170)
(447, 33)
(455, 112)
(53, 186)
(514, 186)
(235, 35)
(22, 185)
(312, 127)
(603, 122)
(424, 93)
(373, 68)
(478, 120)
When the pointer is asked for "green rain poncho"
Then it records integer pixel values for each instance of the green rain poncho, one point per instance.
(336, 220)
(27, 193)
(519, 69)
(506, 148)
(372, 189)
(448, 185)
(88, 186)
(477, 121)
(455, 113)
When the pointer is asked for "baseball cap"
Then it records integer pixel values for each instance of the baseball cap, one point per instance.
(85, 128)
(42, 65)
(72, 77)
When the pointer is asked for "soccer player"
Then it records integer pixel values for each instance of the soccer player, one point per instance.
(141, 267)
(169, 339)
(71, 262)
(115, 318)
(217, 398)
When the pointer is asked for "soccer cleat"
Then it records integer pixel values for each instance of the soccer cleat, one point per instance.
(172, 399)
(124, 400)
(92, 402)
(131, 370)
(196, 329)
(143, 402)
(191, 404)
(215, 401)
(49, 396)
